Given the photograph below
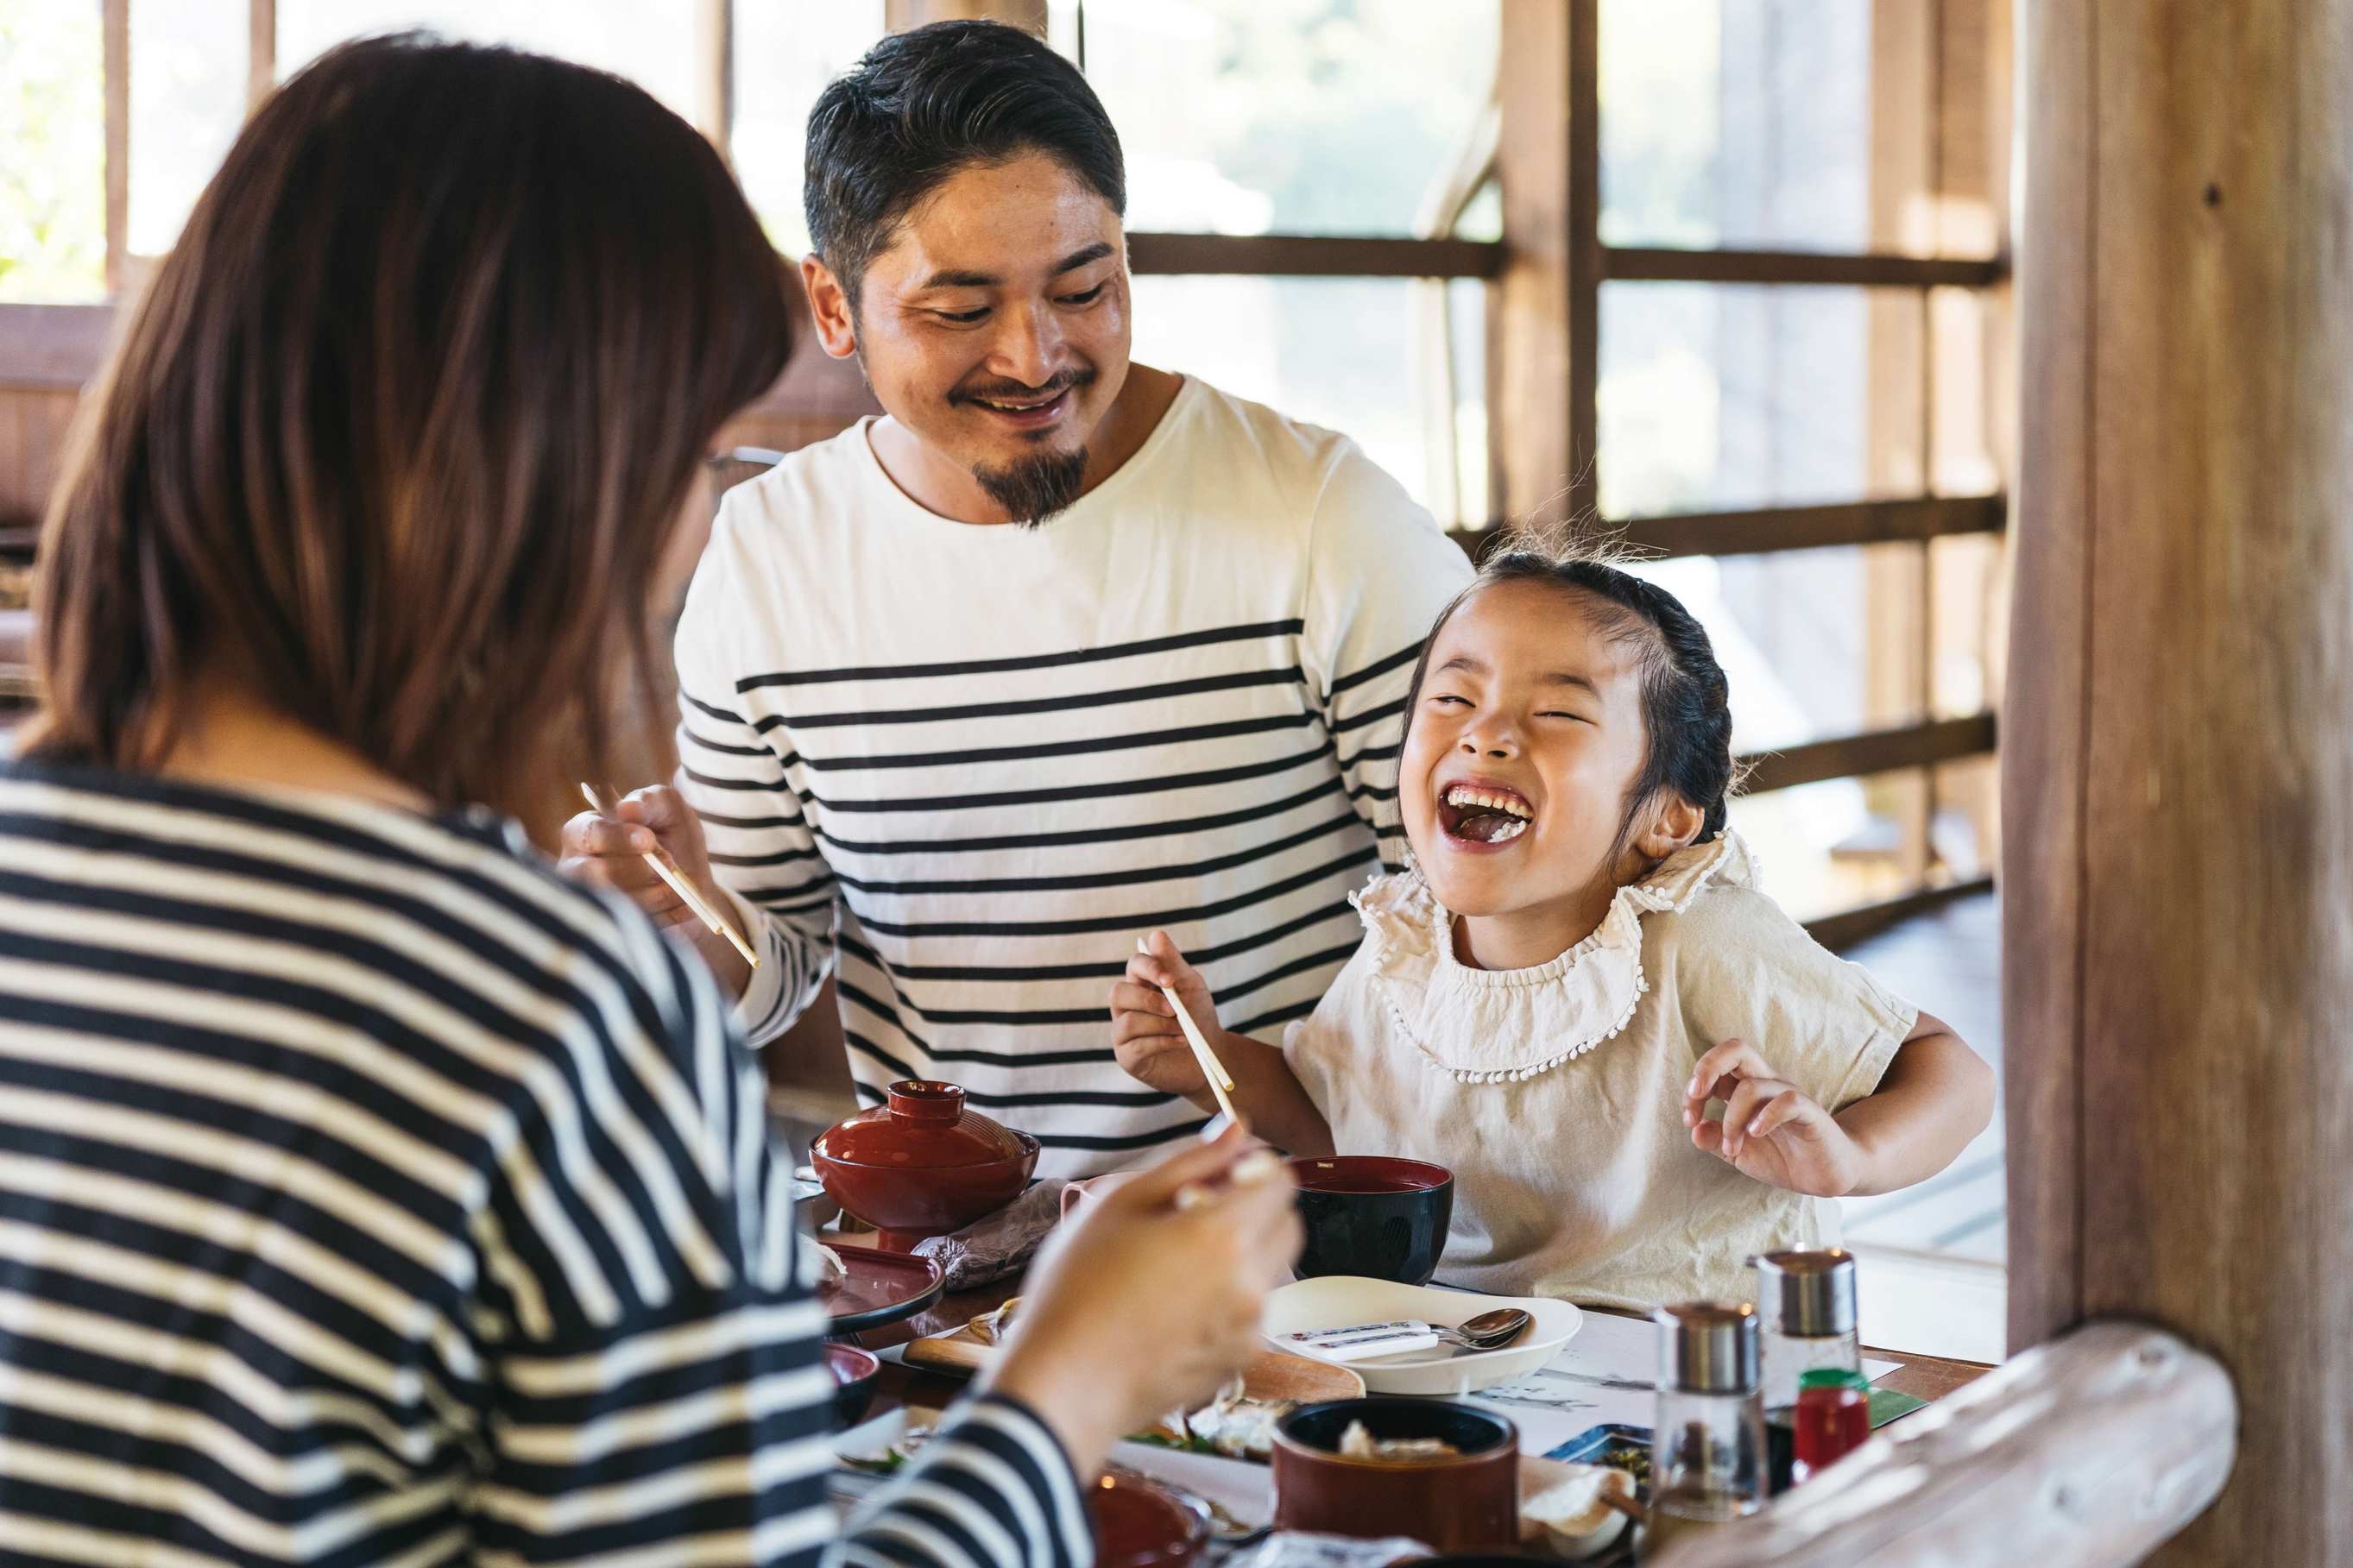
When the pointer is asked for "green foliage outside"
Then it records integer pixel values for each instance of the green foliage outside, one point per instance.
(53, 127)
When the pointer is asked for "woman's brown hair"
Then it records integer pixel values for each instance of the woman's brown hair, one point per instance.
(401, 427)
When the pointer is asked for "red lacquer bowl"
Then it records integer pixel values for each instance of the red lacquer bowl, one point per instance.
(921, 1163)
(1142, 1524)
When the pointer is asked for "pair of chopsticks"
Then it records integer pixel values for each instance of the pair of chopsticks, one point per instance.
(680, 885)
(1220, 1084)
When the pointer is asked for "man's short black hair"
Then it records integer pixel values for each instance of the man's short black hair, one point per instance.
(924, 105)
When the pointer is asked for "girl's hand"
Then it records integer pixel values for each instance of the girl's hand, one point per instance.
(1144, 1034)
(1772, 1131)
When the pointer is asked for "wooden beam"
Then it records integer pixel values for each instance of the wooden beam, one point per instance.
(114, 23)
(2181, 803)
(1752, 532)
(1629, 264)
(1875, 752)
(1844, 929)
(2088, 1453)
(58, 347)
(260, 51)
(1311, 256)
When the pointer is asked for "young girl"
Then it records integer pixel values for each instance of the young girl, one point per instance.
(1578, 969)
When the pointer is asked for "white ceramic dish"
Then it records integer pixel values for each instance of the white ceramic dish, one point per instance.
(1337, 1300)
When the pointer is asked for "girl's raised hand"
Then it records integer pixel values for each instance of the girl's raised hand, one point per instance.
(1772, 1131)
(1144, 1034)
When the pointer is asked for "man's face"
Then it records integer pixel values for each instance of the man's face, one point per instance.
(994, 327)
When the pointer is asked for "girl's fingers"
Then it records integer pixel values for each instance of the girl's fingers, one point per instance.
(1707, 1136)
(1731, 1059)
(1741, 1110)
(1790, 1107)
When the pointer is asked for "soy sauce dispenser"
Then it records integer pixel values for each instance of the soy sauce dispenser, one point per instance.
(1809, 1326)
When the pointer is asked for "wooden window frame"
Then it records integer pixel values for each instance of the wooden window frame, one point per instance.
(1547, 271)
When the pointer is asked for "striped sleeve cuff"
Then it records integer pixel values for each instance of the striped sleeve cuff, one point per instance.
(993, 1489)
(763, 993)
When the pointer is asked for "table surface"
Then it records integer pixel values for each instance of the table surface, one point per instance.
(1923, 1377)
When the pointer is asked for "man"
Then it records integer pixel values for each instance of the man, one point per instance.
(1061, 650)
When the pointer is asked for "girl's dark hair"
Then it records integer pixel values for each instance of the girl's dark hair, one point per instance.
(925, 104)
(398, 434)
(1686, 711)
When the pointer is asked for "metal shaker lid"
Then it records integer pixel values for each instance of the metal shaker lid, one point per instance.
(1808, 1294)
(1708, 1347)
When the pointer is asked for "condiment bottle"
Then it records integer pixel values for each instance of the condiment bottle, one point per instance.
(1809, 1325)
(1707, 1456)
(1833, 1419)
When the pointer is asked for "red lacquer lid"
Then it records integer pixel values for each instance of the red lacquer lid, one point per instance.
(921, 1126)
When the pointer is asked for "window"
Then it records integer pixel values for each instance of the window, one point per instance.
(1364, 118)
(783, 56)
(187, 99)
(651, 42)
(1288, 116)
(1769, 258)
(53, 182)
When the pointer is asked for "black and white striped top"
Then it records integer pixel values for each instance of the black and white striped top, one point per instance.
(984, 761)
(369, 1194)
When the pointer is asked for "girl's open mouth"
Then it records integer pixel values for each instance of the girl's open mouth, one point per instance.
(1484, 813)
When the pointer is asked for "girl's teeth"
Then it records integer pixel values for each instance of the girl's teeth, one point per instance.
(1510, 832)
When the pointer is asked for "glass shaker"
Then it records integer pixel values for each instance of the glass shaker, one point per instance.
(1707, 1456)
(1809, 1326)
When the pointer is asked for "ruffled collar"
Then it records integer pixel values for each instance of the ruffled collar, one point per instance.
(1484, 1026)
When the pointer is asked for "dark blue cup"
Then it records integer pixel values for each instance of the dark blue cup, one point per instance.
(1373, 1216)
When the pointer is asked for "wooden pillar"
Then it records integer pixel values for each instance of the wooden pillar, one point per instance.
(260, 51)
(1543, 359)
(2177, 774)
(114, 22)
(714, 73)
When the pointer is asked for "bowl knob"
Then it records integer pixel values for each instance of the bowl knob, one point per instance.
(931, 1104)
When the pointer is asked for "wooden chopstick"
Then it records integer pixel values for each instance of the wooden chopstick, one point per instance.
(681, 886)
(1220, 1083)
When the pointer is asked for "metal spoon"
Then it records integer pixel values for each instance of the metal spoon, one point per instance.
(1487, 1331)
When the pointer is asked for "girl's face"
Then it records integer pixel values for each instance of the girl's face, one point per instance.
(1522, 745)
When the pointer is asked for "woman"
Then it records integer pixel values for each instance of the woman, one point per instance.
(371, 1195)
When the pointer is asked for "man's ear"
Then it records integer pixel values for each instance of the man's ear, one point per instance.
(837, 324)
(1674, 823)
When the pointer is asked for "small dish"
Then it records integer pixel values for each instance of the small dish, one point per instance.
(877, 1288)
(1338, 1300)
(854, 1372)
(1139, 1524)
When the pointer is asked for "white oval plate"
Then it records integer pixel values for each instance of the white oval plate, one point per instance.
(1336, 1300)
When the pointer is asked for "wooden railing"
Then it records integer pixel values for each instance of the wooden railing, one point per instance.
(2088, 1452)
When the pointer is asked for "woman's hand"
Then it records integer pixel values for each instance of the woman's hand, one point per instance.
(1772, 1131)
(1144, 1034)
(611, 850)
(1149, 1299)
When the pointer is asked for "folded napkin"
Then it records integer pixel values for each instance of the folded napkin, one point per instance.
(992, 1247)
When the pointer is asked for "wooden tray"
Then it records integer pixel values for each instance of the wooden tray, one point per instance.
(1271, 1374)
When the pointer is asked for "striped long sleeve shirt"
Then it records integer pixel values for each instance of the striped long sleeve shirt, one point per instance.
(971, 765)
(370, 1196)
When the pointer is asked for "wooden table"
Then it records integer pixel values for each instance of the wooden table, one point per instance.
(1923, 1377)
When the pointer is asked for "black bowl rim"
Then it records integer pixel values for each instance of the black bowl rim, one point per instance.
(1284, 1438)
(1445, 1183)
